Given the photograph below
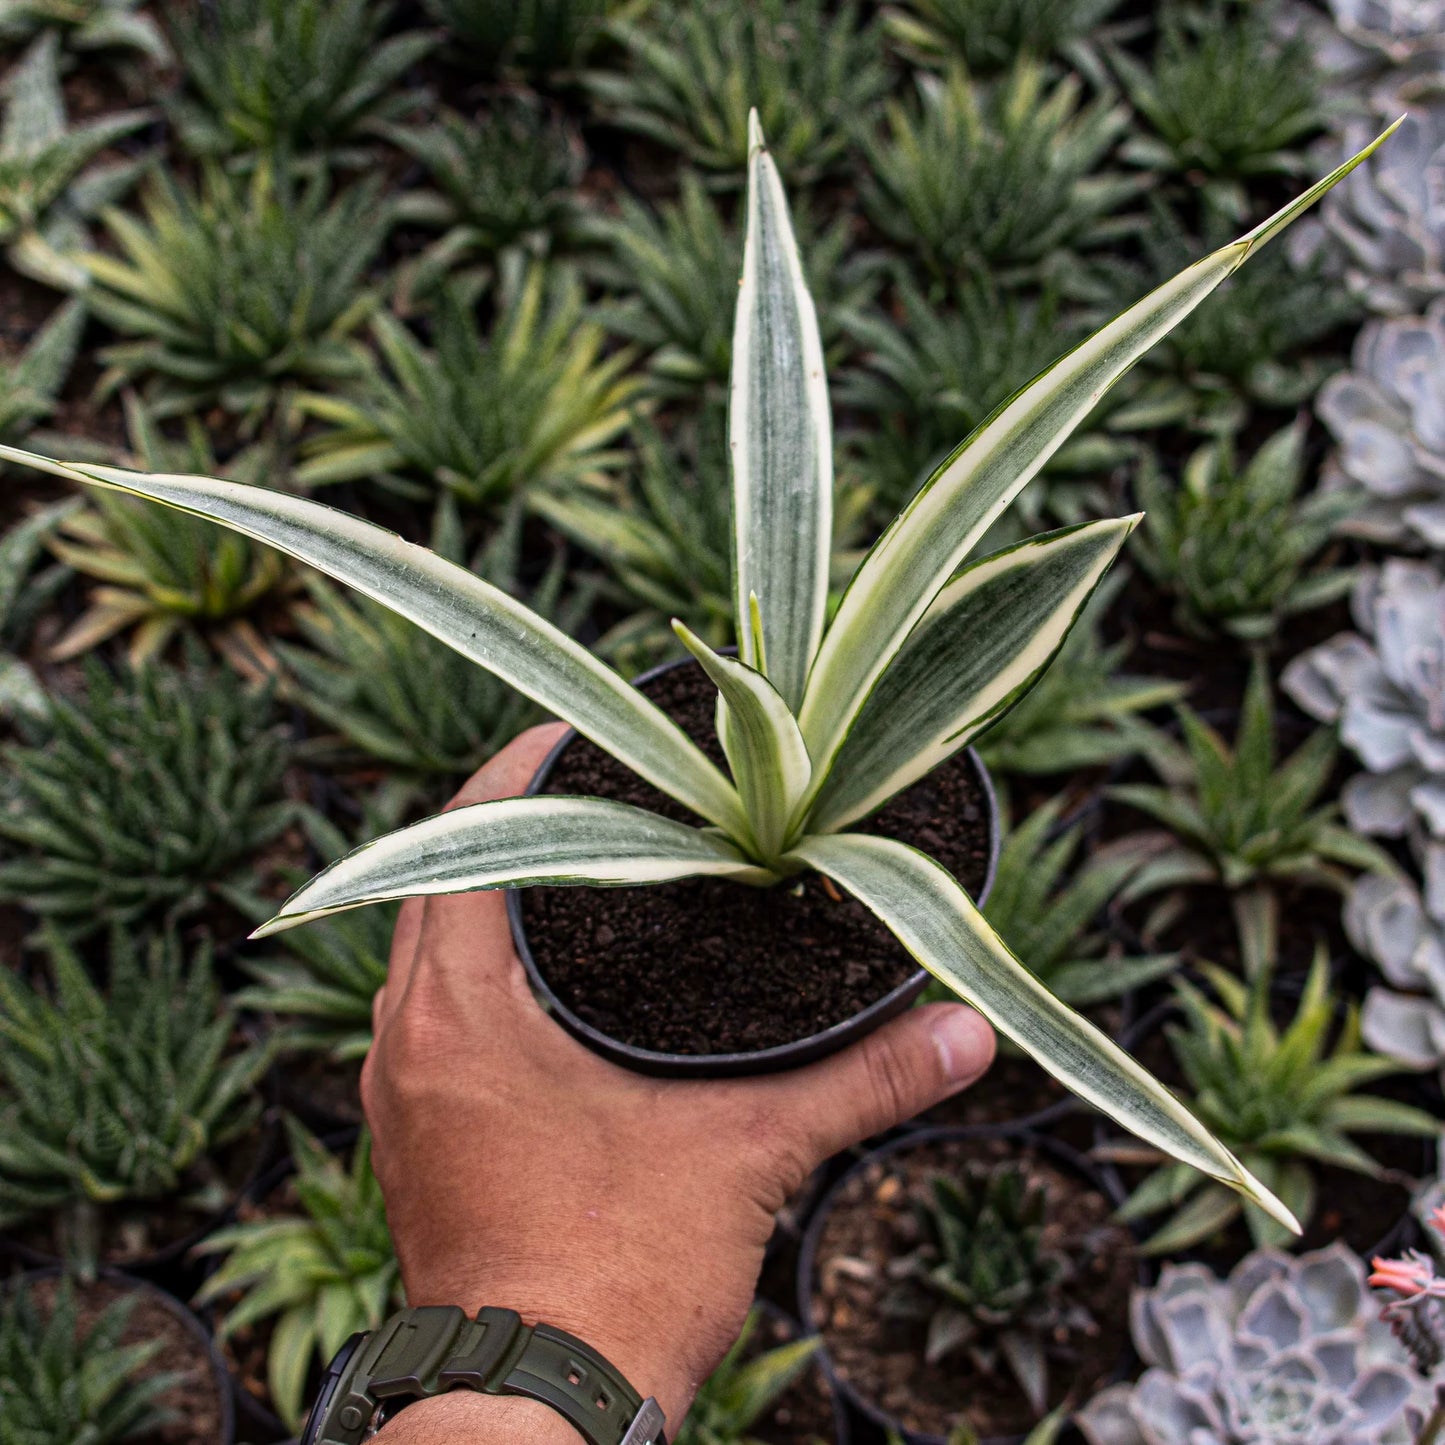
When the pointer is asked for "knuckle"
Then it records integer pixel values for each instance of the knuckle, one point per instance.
(890, 1084)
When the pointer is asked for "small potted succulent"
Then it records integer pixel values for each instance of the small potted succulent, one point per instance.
(968, 1279)
(107, 1361)
(822, 721)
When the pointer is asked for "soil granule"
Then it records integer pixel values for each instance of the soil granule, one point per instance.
(881, 1357)
(705, 965)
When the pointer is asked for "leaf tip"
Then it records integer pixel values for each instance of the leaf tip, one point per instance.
(756, 141)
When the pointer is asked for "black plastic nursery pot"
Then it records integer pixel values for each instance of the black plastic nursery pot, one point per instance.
(875, 1185)
(708, 977)
(206, 1415)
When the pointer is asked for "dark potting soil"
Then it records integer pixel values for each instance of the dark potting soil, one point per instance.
(707, 966)
(882, 1357)
(192, 1400)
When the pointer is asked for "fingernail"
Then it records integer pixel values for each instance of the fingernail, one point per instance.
(964, 1042)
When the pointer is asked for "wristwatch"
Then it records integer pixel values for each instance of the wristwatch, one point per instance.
(429, 1350)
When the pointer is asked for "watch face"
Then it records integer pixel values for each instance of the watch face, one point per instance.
(327, 1393)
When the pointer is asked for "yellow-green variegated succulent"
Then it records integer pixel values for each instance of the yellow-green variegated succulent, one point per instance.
(821, 722)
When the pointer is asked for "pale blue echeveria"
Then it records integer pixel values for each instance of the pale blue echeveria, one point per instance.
(1384, 232)
(1385, 687)
(1387, 415)
(1283, 1352)
(1401, 930)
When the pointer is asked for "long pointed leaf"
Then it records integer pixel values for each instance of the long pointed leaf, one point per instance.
(925, 544)
(480, 621)
(511, 843)
(979, 648)
(762, 742)
(937, 923)
(780, 439)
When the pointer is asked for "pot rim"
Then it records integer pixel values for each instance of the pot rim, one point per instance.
(180, 1310)
(777, 1057)
(1059, 1153)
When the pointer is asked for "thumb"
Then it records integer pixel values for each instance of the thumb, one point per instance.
(905, 1067)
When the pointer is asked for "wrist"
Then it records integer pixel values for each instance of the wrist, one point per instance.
(463, 1415)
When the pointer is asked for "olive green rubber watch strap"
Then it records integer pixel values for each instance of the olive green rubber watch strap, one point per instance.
(432, 1349)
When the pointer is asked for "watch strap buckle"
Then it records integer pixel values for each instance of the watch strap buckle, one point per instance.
(646, 1427)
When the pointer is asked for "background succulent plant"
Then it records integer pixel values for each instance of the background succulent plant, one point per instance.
(989, 35)
(1285, 1098)
(1225, 99)
(137, 795)
(26, 590)
(86, 26)
(811, 69)
(160, 572)
(49, 187)
(1386, 231)
(319, 1271)
(1385, 688)
(935, 363)
(236, 291)
(745, 1387)
(1237, 818)
(1233, 543)
(1214, 1350)
(507, 179)
(988, 1278)
(539, 37)
(319, 987)
(396, 694)
(31, 383)
(64, 1380)
(942, 179)
(117, 1095)
(1385, 415)
(487, 414)
(1402, 932)
(666, 537)
(300, 76)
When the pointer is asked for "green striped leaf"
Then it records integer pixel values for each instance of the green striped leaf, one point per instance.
(926, 542)
(977, 650)
(780, 439)
(512, 843)
(761, 739)
(937, 923)
(480, 621)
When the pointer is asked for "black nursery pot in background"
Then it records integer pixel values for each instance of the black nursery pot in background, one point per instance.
(877, 1188)
(710, 977)
(201, 1401)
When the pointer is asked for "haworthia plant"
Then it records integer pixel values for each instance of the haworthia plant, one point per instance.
(819, 725)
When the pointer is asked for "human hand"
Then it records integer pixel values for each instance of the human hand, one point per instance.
(520, 1169)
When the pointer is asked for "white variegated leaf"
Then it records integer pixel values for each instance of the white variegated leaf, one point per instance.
(780, 439)
(977, 650)
(939, 925)
(514, 842)
(932, 535)
(480, 621)
(761, 739)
